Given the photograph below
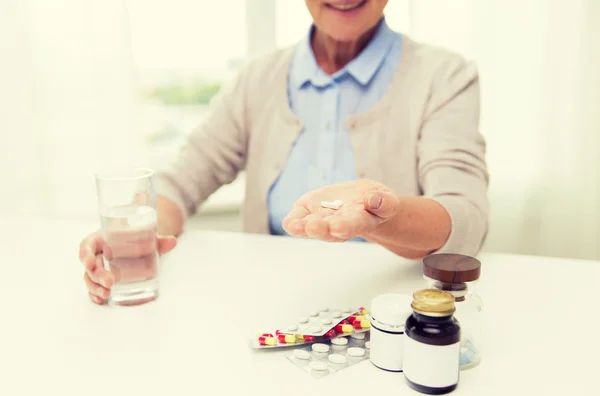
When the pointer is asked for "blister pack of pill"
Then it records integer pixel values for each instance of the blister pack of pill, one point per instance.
(318, 326)
(318, 323)
(325, 358)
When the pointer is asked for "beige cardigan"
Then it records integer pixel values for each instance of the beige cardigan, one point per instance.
(422, 138)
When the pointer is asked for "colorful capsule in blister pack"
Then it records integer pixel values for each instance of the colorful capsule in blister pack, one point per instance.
(318, 326)
(322, 359)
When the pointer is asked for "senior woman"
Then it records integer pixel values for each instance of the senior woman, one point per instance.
(355, 112)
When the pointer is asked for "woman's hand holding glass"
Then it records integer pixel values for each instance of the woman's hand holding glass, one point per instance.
(92, 251)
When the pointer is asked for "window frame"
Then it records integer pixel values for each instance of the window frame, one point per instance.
(261, 27)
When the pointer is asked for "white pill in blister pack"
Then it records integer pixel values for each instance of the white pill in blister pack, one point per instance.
(336, 358)
(356, 352)
(319, 322)
(357, 340)
(324, 348)
(319, 325)
(339, 341)
(324, 358)
(320, 366)
(358, 336)
(301, 354)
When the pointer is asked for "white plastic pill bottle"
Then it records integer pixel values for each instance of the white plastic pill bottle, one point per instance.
(388, 320)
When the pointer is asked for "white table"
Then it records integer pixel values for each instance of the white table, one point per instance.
(218, 289)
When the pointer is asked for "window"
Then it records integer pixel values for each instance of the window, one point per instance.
(183, 50)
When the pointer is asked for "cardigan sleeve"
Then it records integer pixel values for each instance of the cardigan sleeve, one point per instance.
(213, 154)
(451, 155)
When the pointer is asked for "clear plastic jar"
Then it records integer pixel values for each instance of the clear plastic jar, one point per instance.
(458, 275)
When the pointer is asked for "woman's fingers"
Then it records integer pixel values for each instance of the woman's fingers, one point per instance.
(96, 299)
(90, 254)
(166, 244)
(293, 222)
(136, 244)
(93, 249)
(340, 227)
(99, 275)
(329, 225)
(94, 288)
(352, 223)
(141, 245)
(89, 263)
(315, 227)
(90, 246)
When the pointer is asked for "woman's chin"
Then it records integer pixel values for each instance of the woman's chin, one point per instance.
(345, 34)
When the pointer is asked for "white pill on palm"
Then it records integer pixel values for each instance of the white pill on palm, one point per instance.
(332, 205)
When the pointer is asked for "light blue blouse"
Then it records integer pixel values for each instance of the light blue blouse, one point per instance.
(322, 154)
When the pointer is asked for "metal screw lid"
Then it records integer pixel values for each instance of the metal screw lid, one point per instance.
(433, 302)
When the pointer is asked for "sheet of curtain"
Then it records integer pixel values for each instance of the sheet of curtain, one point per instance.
(68, 104)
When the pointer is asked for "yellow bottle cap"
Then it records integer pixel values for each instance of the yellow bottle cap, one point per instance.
(433, 302)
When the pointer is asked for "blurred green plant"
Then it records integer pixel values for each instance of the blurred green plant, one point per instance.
(189, 94)
(167, 134)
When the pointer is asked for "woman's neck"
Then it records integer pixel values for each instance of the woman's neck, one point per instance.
(332, 55)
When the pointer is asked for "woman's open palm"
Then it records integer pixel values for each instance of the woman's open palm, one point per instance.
(366, 205)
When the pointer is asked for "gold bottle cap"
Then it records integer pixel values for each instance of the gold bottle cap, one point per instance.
(433, 302)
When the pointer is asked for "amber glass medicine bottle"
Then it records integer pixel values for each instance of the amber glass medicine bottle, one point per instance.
(432, 343)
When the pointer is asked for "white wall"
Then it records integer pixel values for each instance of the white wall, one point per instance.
(538, 82)
(68, 103)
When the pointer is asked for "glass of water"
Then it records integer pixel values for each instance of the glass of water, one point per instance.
(127, 206)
